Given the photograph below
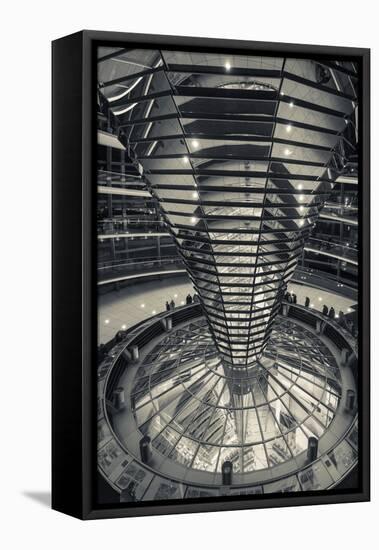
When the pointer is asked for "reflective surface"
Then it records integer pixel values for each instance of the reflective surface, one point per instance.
(200, 414)
(231, 159)
(239, 153)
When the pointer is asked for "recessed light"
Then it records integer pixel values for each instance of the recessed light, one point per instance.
(291, 104)
(106, 321)
(312, 305)
(123, 327)
(195, 195)
(193, 220)
(300, 187)
(142, 305)
(175, 295)
(349, 309)
(287, 152)
(228, 66)
(319, 298)
(289, 127)
(153, 312)
(301, 197)
(182, 303)
(301, 223)
(195, 143)
(301, 208)
(185, 159)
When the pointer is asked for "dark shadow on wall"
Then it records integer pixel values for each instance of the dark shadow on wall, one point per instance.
(41, 497)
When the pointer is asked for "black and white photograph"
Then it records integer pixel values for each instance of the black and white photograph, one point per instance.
(228, 246)
(189, 302)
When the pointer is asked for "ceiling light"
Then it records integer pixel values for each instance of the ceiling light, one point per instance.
(312, 305)
(301, 223)
(195, 144)
(106, 321)
(287, 152)
(142, 305)
(289, 127)
(182, 303)
(153, 312)
(291, 104)
(185, 159)
(175, 295)
(300, 187)
(123, 327)
(193, 220)
(301, 208)
(319, 298)
(228, 66)
(301, 197)
(195, 195)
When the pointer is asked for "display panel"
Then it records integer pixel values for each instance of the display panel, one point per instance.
(227, 275)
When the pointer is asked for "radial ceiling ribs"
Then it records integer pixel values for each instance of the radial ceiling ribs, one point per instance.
(238, 152)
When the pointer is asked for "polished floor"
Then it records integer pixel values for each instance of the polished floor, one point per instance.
(120, 310)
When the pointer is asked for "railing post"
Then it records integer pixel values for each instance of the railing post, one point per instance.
(350, 400)
(145, 449)
(320, 326)
(312, 449)
(168, 323)
(344, 357)
(119, 398)
(135, 353)
(227, 472)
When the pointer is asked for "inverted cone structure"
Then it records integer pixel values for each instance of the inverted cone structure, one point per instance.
(239, 153)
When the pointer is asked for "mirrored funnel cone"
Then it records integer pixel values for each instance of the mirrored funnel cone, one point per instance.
(241, 154)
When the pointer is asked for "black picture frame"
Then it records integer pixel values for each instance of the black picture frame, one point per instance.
(74, 276)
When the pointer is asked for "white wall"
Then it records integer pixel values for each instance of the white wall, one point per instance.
(26, 30)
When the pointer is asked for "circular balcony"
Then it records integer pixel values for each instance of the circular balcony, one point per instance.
(170, 416)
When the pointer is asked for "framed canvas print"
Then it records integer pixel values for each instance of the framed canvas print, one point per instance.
(210, 274)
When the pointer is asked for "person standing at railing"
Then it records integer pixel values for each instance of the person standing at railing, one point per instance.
(325, 310)
(167, 306)
(332, 313)
(172, 304)
(341, 319)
